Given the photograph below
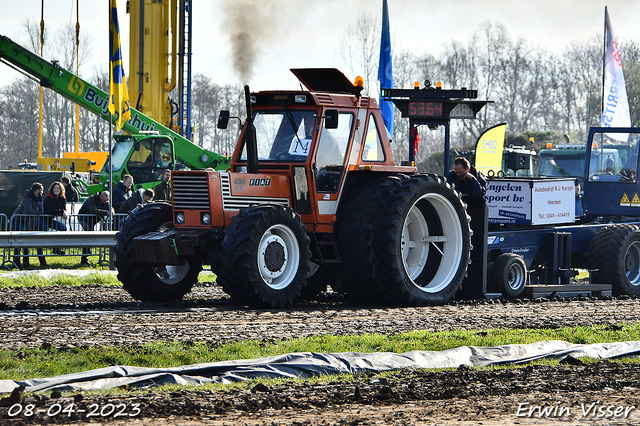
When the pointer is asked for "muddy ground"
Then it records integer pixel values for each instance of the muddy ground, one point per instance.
(65, 317)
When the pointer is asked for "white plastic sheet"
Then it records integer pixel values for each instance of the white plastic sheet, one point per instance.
(309, 364)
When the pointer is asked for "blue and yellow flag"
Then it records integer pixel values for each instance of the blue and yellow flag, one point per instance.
(118, 94)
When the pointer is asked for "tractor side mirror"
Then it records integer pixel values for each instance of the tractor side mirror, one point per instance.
(223, 119)
(331, 119)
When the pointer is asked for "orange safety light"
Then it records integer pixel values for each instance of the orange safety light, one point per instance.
(549, 145)
(359, 82)
(439, 84)
(416, 85)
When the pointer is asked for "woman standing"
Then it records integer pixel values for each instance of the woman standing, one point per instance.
(55, 205)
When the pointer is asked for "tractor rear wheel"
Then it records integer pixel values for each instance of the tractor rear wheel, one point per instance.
(424, 244)
(356, 229)
(615, 252)
(265, 257)
(145, 281)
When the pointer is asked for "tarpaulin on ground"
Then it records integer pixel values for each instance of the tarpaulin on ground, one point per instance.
(307, 364)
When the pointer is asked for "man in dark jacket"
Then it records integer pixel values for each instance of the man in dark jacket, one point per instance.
(464, 181)
(24, 218)
(138, 197)
(163, 189)
(70, 193)
(94, 209)
(122, 192)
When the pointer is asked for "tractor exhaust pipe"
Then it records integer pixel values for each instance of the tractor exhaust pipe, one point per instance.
(250, 136)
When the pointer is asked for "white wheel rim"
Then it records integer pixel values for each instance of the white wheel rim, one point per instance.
(516, 277)
(278, 240)
(172, 274)
(417, 243)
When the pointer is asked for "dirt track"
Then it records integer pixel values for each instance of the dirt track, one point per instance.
(98, 316)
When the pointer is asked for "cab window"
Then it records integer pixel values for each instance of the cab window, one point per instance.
(372, 150)
(331, 153)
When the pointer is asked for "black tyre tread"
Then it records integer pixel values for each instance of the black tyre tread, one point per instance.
(355, 234)
(139, 279)
(604, 255)
(499, 273)
(390, 271)
(239, 276)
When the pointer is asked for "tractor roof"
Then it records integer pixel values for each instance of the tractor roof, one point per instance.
(325, 80)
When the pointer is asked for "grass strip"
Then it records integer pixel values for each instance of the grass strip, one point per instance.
(49, 362)
(63, 279)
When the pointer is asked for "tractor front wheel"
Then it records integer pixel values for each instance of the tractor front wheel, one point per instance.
(265, 257)
(145, 281)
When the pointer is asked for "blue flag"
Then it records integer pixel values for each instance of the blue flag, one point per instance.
(385, 69)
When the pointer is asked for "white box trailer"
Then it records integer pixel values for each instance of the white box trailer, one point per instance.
(531, 201)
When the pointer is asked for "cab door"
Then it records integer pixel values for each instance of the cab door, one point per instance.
(329, 165)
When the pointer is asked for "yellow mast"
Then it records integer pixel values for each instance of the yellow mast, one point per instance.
(41, 88)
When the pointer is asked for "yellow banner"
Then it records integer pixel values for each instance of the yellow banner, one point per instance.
(489, 149)
(118, 94)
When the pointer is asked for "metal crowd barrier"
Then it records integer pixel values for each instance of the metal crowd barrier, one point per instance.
(55, 236)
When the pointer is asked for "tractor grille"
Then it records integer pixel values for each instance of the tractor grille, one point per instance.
(190, 191)
(234, 202)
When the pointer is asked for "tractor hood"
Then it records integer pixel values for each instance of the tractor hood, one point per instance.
(325, 80)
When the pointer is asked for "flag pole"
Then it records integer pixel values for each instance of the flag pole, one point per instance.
(604, 63)
(109, 227)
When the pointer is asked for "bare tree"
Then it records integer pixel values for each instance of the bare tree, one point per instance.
(360, 51)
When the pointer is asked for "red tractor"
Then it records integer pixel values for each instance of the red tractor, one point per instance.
(312, 196)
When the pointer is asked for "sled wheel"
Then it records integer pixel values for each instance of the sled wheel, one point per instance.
(615, 252)
(510, 272)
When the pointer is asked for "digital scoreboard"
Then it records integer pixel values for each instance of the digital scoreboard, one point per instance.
(425, 109)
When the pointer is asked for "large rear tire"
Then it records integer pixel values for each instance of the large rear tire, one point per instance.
(424, 244)
(356, 229)
(152, 282)
(615, 252)
(265, 257)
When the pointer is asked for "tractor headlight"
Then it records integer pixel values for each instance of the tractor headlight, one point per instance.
(206, 219)
(180, 218)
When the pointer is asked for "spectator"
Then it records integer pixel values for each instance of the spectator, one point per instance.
(464, 181)
(163, 189)
(94, 209)
(122, 191)
(55, 205)
(24, 219)
(70, 193)
(139, 197)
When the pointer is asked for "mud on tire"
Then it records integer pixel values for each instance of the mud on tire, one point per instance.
(265, 257)
(151, 282)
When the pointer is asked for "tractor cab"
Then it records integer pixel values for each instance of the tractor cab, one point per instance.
(316, 137)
